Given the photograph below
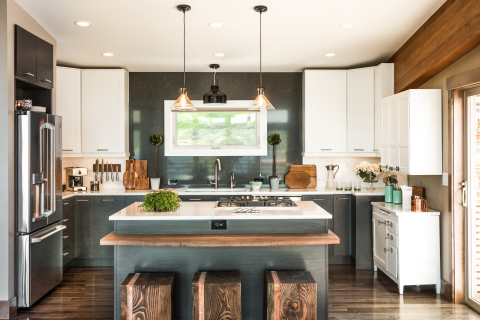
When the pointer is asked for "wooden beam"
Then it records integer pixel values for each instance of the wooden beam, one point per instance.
(220, 240)
(449, 34)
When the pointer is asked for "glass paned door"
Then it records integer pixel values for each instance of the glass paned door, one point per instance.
(472, 196)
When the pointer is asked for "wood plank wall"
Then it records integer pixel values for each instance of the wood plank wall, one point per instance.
(449, 34)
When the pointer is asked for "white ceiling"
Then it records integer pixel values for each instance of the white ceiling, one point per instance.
(146, 35)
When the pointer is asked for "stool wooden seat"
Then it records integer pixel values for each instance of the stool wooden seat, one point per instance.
(147, 296)
(290, 295)
(217, 295)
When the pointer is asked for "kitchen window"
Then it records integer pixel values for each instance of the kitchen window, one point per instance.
(216, 130)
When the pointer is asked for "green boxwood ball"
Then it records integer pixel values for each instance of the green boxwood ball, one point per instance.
(274, 139)
(156, 139)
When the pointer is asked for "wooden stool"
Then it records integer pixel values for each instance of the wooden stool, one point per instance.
(147, 296)
(290, 295)
(217, 295)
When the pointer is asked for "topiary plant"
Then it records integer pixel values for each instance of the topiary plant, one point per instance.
(161, 201)
(156, 140)
(274, 140)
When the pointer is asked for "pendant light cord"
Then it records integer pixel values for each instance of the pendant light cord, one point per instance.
(184, 48)
(261, 49)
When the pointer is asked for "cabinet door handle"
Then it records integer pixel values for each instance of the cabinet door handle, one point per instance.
(195, 199)
(65, 254)
(65, 203)
(108, 199)
(67, 149)
(102, 149)
(29, 74)
(83, 200)
(46, 80)
(389, 236)
(357, 149)
(397, 168)
(65, 237)
(343, 198)
(318, 199)
(64, 220)
(385, 250)
(375, 149)
(326, 149)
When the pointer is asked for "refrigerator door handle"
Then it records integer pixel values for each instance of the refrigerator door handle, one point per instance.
(55, 230)
(51, 163)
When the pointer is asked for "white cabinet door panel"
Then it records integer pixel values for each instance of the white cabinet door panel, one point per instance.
(392, 261)
(361, 110)
(379, 241)
(403, 134)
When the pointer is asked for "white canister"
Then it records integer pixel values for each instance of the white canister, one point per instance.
(155, 183)
(406, 197)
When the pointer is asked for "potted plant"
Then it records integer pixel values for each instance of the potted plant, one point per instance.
(161, 201)
(156, 140)
(274, 140)
(368, 172)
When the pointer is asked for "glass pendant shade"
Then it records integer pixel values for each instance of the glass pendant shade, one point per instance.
(183, 103)
(261, 102)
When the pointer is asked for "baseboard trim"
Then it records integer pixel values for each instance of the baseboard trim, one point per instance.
(8, 308)
(446, 290)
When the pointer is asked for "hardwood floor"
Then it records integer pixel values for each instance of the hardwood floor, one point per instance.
(87, 293)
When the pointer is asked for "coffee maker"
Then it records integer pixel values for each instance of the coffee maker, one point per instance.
(75, 178)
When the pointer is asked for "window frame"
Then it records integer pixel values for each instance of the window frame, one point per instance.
(172, 150)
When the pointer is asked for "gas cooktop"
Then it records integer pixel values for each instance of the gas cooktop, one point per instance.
(256, 201)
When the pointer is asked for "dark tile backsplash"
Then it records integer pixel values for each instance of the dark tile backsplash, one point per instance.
(148, 90)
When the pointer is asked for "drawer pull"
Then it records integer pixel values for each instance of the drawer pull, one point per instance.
(102, 149)
(64, 220)
(385, 250)
(82, 200)
(29, 74)
(326, 149)
(389, 236)
(108, 199)
(319, 199)
(65, 254)
(46, 80)
(195, 199)
(343, 198)
(65, 203)
(67, 149)
(65, 237)
(357, 149)
(375, 149)
(386, 212)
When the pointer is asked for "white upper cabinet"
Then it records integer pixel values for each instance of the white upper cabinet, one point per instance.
(412, 132)
(68, 101)
(341, 110)
(324, 111)
(361, 110)
(105, 113)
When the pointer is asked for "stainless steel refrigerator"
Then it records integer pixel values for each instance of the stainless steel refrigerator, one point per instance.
(39, 205)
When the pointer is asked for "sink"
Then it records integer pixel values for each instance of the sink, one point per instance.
(212, 190)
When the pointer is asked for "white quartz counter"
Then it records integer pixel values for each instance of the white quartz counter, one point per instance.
(207, 211)
(398, 210)
(235, 192)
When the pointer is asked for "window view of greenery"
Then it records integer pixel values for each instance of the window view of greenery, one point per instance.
(216, 129)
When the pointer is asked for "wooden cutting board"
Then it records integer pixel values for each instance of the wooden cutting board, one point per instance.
(139, 166)
(130, 175)
(297, 179)
(142, 183)
(309, 169)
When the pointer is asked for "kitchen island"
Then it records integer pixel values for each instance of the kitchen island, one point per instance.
(186, 241)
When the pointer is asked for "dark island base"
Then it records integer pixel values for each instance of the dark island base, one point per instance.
(251, 262)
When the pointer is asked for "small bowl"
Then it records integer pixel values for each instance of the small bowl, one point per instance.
(256, 185)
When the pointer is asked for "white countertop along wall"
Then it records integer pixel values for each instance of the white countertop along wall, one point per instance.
(207, 211)
(398, 210)
(237, 192)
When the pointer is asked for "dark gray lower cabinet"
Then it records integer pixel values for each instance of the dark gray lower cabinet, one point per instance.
(132, 199)
(326, 203)
(343, 229)
(197, 198)
(84, 227)
(104, 207)
(71, 225)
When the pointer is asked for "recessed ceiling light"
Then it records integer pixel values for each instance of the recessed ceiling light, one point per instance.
(83, 23)
(219, 54)
(347, 25)
(330, 55)
(216, 24)
(108, 54)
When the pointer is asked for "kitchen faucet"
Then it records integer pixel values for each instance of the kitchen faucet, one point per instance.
(218, 167)
(232, 180)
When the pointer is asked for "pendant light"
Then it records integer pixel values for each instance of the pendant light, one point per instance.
(261, 102)
(183, 103)
(214, 96)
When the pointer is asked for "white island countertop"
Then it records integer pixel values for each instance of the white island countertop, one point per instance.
(207, 211)
(380, 191)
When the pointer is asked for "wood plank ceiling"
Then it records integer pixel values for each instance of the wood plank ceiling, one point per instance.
(449, 34)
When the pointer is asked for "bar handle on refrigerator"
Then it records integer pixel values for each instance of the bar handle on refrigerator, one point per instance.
(51, 163)
(39, 239)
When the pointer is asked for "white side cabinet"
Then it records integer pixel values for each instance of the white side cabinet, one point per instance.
(68, 101)
(341, 110)
(411, 132)
(406, 245)
(105, 113)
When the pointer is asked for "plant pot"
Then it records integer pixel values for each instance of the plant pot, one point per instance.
(274, 182)
(155, 183)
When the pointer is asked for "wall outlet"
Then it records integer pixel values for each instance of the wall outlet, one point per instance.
(219, 224)
(445, 179)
